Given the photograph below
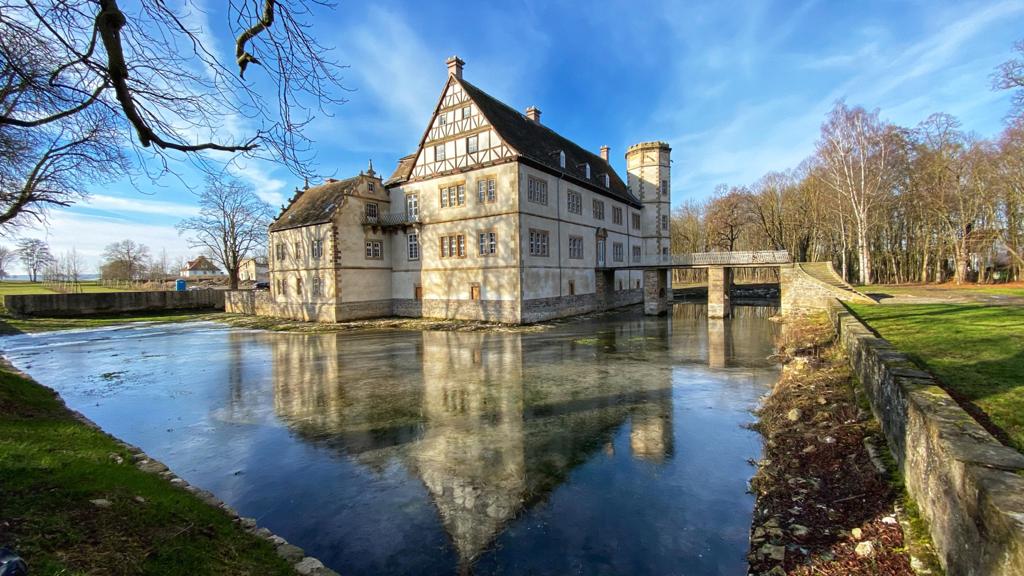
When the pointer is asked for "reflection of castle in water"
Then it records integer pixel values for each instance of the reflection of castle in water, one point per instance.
(490, 422)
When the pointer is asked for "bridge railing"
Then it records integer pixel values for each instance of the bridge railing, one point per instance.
(745, 258)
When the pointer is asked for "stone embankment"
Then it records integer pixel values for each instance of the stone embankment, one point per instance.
(112, 302)
(813, 286)
(968, 486)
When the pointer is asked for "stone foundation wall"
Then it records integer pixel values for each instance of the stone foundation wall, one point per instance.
(504, 311)
(812, 287)
(540, 309)
(260, 303)
(112, 302)
(363, 310)
(967, 485)
(407, 308)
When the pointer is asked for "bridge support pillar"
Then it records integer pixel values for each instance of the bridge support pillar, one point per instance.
(657, 291)
(719, 285)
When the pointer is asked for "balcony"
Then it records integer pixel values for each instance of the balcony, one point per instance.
(398, 220)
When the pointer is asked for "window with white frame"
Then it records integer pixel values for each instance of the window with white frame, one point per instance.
(598, 209)
(472, 144)
(371, 211)
(452, 196)
(453, 246)
(374, 249)
(412, 206)
(439, 152)
(466, 112)
(616, 215)
(316, 250)
(486, 190)
(414, 246)
(576, 247)
(537, 190)
(618, 252)
(488, 243)
(539, 243)
(636, 220)
(442, 119)
(574, 202)
(636, 253)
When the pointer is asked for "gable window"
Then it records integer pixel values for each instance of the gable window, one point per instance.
(374, 249)
(538, 243)
(412, 206)
(318, 286)
(636, 220)
(576, 247)
(466, 112)
(616, 215)
(598, 210)
(317, 249)
(472, 144)
(439, 152)
(452, 196)
(575, 202)
(488, 243)
(636, 253)
(442, 118)
(370, 186)
(537, 190)
(618, 253)
(453, 246)
(414, 246)
(371, 212)
(485, 190)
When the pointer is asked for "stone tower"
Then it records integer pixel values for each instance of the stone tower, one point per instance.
(650, 173)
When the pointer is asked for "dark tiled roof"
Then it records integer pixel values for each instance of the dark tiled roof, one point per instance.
(402, 171)
(538, 143)
(315, 205)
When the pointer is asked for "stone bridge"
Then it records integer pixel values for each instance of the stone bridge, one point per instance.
(804, 285)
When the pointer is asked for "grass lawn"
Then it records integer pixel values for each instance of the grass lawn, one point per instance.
(977, 352)
(965, 290)
(52, 465)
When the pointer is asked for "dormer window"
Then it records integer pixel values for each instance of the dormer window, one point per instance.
(586, 170)
(561, 158)
(607, 181)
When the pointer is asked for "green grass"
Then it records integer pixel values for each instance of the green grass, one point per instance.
(9, 288)
(52, 465)
(965, 290)
(977, 352)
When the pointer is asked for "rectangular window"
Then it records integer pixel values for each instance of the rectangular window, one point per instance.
(442, 119)
(283, 287)
(466, 112)
(618, 253)
(576, 247)
(439, 152)
(598, 210)
(375, 250)
(636, 253)
(317, 286)
(298, 250)
(474, 291)
(664, 187)
(472, 144)
(370, 186)
(537, 190)
(279, 250)
(412, 206)
(616, 215)
(414, 246)
(461, 190)
(572, 287)
(664, 221)
(538, 243)
(575, 202)
(486, 190)
(452, 196)
(453, 246)
(317, 249)
(371, 212)
(636, 220)
(488, 243)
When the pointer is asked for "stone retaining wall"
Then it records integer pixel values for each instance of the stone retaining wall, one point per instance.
(967, 485)
(112, 302)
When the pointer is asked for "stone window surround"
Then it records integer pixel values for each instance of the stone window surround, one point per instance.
(598, 209)
(488, 245)
(487, 189)
(575, 247)
(453, 246)
(413, 246)
(617, 215)
(537, 190)
(574, 201)
(540, 243)
(374, 250)
(618, 252)
(453, 195)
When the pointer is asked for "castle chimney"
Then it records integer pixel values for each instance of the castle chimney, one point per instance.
(455, 66)
(605, 150)
(533, 113)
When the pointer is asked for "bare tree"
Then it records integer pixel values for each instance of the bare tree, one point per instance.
(1010, 76)
(124, 260)
(727, 216)
(232, 224)
(35, 256)
(6, 258)
(854, 151)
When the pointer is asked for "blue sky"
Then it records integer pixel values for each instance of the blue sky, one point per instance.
(737, 88)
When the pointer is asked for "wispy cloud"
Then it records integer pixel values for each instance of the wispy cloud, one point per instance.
(141, 206)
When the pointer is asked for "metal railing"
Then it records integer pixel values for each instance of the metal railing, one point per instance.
(396, 219)
(747, 258)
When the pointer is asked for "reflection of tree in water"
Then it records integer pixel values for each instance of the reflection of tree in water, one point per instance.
(488, 433)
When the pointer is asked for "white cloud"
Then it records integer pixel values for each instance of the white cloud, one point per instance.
(140, 206)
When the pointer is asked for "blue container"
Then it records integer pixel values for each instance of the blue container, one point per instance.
(180, 286)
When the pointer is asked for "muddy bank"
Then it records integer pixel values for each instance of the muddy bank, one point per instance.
(825, 503)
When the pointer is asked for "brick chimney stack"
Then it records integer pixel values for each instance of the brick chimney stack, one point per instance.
(455, 65)
(605, 150)
(533, 113)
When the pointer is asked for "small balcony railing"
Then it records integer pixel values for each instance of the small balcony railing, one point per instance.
(747, 258)
(389, 220)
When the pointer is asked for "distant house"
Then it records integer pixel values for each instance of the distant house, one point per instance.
(254, 270)
(201, 267)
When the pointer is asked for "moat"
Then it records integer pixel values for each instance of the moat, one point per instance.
(614, 445)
